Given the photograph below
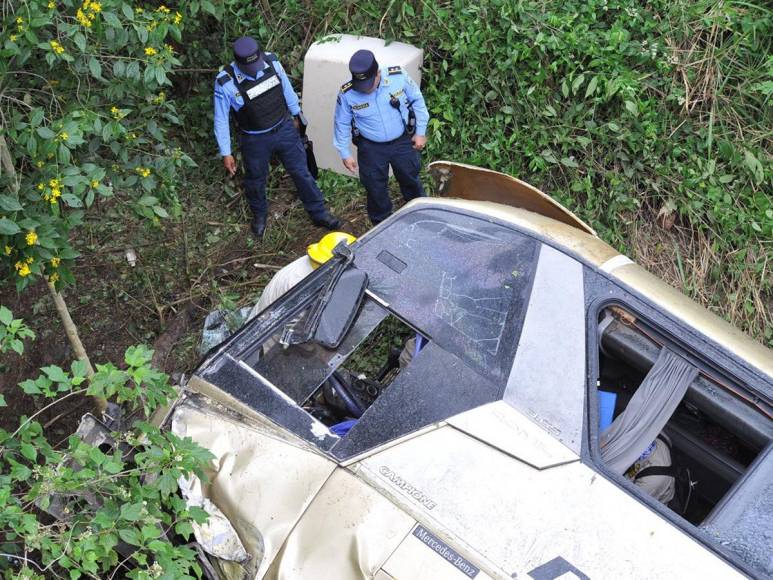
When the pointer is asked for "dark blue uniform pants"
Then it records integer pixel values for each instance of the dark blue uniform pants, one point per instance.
(285, 141)
(374, 160)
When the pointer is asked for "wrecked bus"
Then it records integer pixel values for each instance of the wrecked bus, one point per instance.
(537, 371)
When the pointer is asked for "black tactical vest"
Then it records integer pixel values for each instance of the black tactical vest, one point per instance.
(264, 102)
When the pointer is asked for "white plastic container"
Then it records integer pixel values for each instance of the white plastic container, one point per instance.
(326, 68)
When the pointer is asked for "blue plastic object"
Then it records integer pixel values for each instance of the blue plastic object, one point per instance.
(419, 344)
(343, 427)
(607, 402)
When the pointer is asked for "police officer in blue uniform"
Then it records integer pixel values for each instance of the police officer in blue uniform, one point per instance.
(383, 112)
(256, 91)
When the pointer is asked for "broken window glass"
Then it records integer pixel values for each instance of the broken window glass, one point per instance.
(462, 280)
(299, 369)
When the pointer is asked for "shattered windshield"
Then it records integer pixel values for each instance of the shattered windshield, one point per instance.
(299, 369)
(462, 280)
(447, 294)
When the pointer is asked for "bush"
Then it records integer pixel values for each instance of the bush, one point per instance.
(127, 493)
(84, 114)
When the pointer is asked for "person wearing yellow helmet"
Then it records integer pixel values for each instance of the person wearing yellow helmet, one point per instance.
(286, 278)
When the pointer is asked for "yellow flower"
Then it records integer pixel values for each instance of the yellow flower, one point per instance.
(54, 183)
(94, 184)
(163, 9)
(95, 7)
(8, 250)
(51, 5)
(12, 38)
(169, 48)
(143, 171)
(83, 18)
(55, 193)
(56, 47)
(31, 238)
(41, 186)
(29, 259)
(139, 10)
(63, 136)
(39, 163)
(150, 51)
(19, 20)
(53, 278)
(55, 261)
(23, 269)
(178, 18)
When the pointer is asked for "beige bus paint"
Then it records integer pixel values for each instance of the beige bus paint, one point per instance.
(347, 533)
(520, 518)
(501, 426)
(262, 483)
(480, 184)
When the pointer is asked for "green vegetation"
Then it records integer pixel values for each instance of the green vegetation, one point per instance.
(125, 493)
(651, 121)
(84, 115)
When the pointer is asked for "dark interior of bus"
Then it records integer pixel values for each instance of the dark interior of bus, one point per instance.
(716, 431)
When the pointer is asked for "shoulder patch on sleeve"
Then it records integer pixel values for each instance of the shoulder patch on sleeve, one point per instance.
(223, 79)
(395, 70)
(346, 87)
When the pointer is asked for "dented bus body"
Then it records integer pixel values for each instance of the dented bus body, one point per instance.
(479, 455)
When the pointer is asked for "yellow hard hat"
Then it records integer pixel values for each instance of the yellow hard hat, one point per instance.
(322, 251)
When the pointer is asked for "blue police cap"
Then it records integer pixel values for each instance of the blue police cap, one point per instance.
(248, 55)
(363, 66)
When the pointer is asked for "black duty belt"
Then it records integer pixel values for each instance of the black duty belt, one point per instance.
(273, 129)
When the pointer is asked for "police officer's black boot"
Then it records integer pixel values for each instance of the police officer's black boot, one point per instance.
(327, 221)
(258, 226)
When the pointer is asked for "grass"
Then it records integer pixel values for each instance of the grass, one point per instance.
(650, 121)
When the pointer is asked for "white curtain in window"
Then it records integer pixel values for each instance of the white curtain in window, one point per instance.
(647, 412)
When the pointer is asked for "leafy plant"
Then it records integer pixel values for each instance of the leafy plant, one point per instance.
(118, 507)
(84, 115)
(13, 331)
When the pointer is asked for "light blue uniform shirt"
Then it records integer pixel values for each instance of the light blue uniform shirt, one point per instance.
(227, 96)
(375, 118)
